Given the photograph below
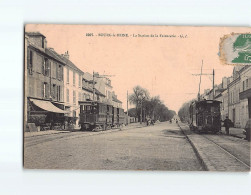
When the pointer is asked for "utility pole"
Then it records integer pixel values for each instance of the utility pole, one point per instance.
(93, 85)
(200, 80)
(141, 112)
(127, 108)
(213, 84)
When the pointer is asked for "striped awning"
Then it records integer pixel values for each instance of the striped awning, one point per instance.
(48, 106)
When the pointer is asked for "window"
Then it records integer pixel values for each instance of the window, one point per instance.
(56, 65)
(58, 93)
(74, 97)
(45, 90)
(73, 78)
(79, 81)
(68, 75)
(42, 42)
(30, 61)
(54, 89)
(60, 73)
(46, 67)
(243, 85)
(246, 83)
(67, 95)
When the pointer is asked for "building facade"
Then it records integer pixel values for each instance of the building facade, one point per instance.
(54, 85)
(72, 89)
(245, 95)
(235, 95)
(43, 82)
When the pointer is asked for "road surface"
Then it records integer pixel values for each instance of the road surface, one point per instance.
(159, 147)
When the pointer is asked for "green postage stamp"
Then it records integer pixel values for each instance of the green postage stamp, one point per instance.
(236, 49)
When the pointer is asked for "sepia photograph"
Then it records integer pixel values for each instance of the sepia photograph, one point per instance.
(136, 97)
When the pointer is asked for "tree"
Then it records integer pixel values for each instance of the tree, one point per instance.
(184, 111)
(132, 112)
(153, 107)
(137, 98)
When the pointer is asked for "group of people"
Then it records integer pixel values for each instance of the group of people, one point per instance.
(150, 121)
(176, 120)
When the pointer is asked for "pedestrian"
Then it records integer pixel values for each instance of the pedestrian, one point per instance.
(227, 124)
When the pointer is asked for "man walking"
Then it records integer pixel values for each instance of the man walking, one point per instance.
(227, 124)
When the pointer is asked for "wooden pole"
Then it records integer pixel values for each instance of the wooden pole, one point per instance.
(93, 85)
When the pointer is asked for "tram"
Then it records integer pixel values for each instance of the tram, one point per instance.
(205, 116)
(97, 116)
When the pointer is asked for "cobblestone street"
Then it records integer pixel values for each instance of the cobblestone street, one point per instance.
(159, 147)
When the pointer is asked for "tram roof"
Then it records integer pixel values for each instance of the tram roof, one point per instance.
(91, 103)
(207, 102)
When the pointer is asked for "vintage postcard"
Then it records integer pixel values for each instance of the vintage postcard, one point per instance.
(129, 97)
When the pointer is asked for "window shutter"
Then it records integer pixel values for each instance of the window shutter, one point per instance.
(42, 89)
(56, 70)
(49, 68)
(48, 90)
(61, 73)
(43, 65)
(28, 58)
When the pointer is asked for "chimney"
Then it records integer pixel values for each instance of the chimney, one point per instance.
(66, 55)
(45, 43)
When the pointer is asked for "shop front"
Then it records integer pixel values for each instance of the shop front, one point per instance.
(45, 114)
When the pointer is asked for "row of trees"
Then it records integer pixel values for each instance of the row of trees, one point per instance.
(148, 107)
(184, 111)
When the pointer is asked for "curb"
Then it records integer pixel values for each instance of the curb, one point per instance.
(198, 155)
(47, 134)
(88, 134)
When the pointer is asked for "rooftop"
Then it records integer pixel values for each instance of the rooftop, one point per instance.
(34, 34)
(66, 61)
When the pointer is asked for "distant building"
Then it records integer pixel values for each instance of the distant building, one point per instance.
(234, 101)
(115, 101)
(245, 95)
(87, 89)
(103, 84)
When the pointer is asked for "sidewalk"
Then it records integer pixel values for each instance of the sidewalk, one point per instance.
(49, 132)
(236, 132)
(211, 157)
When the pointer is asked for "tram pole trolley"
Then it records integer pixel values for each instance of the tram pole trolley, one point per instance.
(205, 116)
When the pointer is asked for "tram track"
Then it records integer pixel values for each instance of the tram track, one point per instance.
(218, 153)
(228, 152)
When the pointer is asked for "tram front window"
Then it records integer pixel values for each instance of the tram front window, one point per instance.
(215, 109)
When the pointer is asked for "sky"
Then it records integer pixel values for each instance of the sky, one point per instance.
(163, 65)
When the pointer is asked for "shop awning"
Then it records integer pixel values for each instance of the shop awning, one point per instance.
(48, 106)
